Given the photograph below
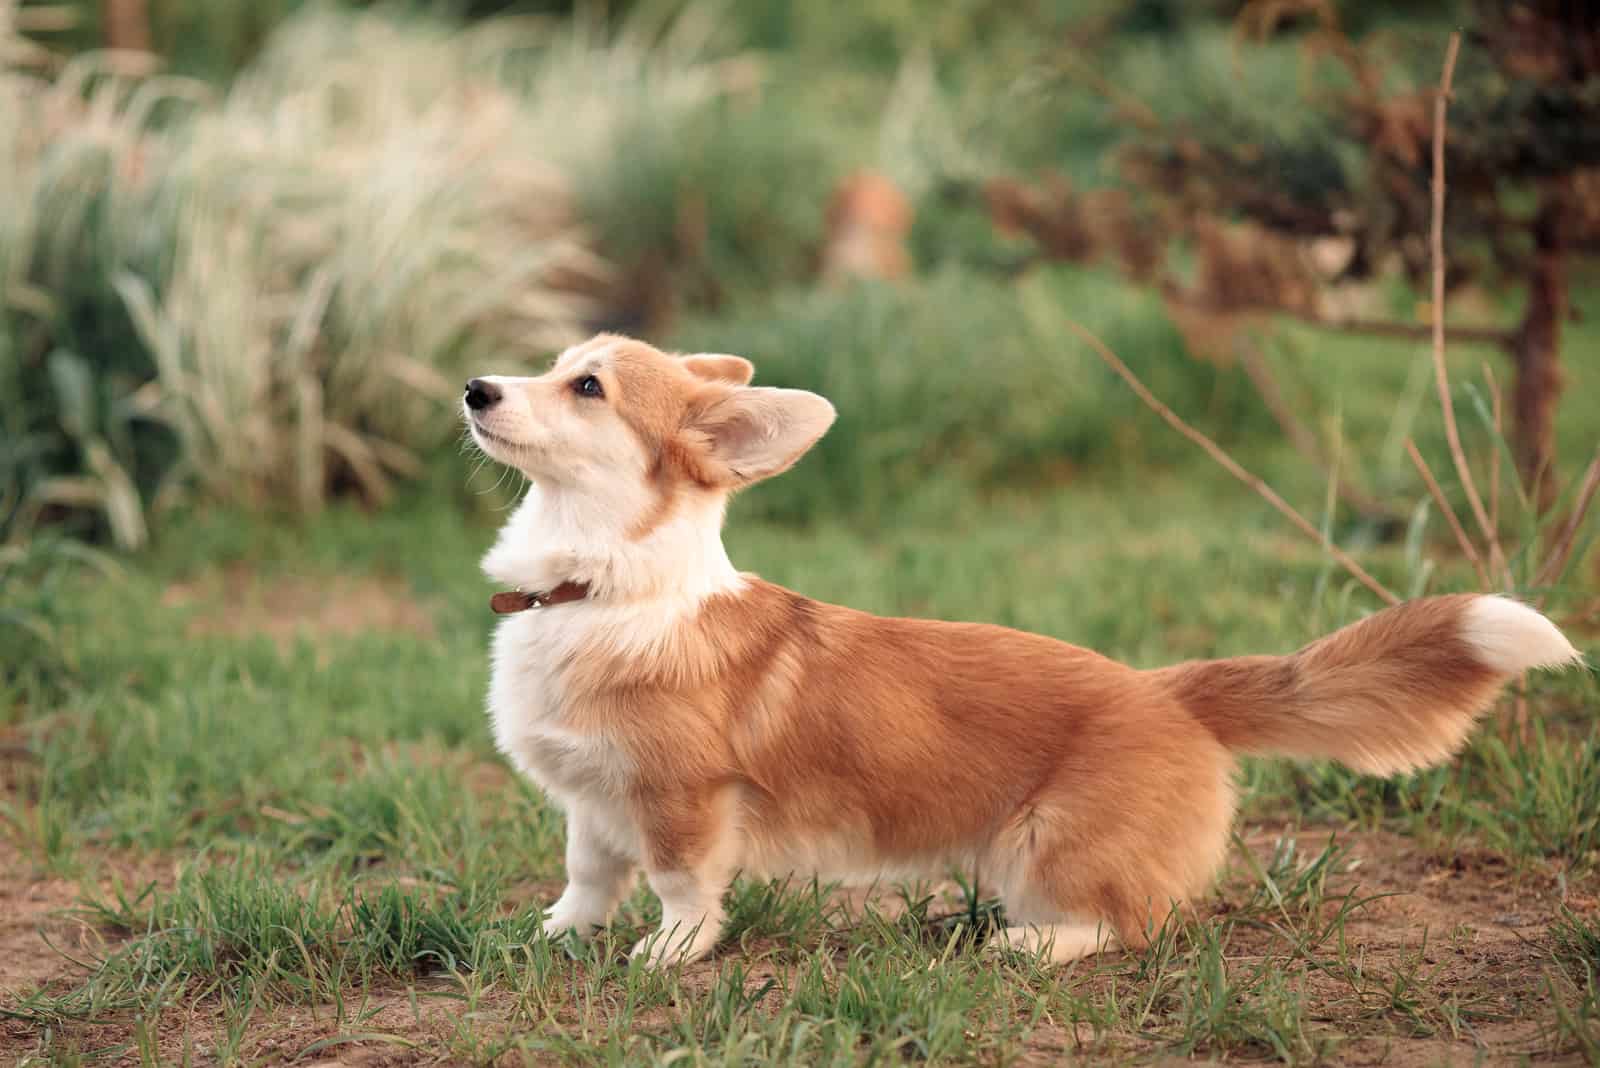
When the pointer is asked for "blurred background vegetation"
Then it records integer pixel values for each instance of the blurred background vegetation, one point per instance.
(248, 249)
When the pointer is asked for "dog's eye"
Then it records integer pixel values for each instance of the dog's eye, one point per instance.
(588, 386)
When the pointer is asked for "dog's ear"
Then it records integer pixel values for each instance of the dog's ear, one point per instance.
(715, 367)
(754, 433)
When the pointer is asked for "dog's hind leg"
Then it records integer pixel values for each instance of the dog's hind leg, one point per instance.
(1059, 943)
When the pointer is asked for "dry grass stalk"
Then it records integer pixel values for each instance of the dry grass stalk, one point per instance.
(1497, 560)
(1232, 466)
(1303, 440)
(1449, 513)
(1494, 450)
(1561, 550)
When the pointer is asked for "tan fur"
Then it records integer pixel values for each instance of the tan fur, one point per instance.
(916, 738)
(1392, 693)
(761, 730)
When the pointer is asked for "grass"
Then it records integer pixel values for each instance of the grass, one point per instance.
(308, 841)
(250, 811)
(274, 835)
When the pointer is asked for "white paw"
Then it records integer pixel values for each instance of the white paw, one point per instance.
(564, 916)
(556, 926)
(666, 947)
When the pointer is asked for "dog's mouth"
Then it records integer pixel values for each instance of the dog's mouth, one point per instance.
(490, 437)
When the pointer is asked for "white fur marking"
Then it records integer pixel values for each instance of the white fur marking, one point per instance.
(1511, 637)
(1058, 943)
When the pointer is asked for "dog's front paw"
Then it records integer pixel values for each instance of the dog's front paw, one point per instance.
(663, 948)
(557, 926)
(565, 916)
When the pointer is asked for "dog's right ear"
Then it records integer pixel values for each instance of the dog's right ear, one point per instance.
(754, 433)
(716, 367)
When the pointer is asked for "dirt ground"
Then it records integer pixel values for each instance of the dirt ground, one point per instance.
(1473, 927)
(238, 601)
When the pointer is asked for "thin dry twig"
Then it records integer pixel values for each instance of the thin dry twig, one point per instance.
(1441, 375)
(1449, 512)
(1231, 465)
(1494, 448)
(1520, 713)
(1480, 335)
(1477, 335)
(1303, 440)
(1129, 106)
(1561, 551)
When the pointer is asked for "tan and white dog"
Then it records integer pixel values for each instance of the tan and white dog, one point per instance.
(695, 722)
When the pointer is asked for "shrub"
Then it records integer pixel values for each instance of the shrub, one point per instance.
(364, 217)
(967, 378)
(698, 182)
(74, 435)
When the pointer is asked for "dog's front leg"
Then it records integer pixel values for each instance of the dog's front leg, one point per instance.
(598, 877)
(691, 852)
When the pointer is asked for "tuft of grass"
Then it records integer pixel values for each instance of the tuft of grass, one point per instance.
(1542, 797)
(1575, 939)
(1575, 945)
(37, 581)
(1229, 1009)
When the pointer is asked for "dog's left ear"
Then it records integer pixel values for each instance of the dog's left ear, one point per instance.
(715, 367)
(755, 433)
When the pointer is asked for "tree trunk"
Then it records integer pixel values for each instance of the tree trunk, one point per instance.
(1536, 348)
(127, 24)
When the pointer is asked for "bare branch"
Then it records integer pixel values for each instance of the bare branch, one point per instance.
(1562, 550)
(1482, 335)
(1449, 513)
(1304, 441)
(1479, 335)
(1229, 464)
(1436, 250)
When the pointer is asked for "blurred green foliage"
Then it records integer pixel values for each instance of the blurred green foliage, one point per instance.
(691, 147)
(963, 379)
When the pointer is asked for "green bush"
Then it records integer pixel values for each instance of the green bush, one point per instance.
(725, 205)
(968, 379)
(76, 436)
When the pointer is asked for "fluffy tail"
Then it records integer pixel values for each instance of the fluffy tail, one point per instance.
(1397, 691)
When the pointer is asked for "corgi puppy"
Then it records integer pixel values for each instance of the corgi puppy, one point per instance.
(694, 722)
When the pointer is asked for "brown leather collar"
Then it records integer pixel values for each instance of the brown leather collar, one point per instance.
(511, 601)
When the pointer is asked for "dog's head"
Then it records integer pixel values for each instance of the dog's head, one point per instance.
(619, 420)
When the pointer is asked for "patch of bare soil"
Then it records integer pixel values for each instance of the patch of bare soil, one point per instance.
(383, 1028)
(31, 921)
(1451, 965)
(238, 601)
(47, 944)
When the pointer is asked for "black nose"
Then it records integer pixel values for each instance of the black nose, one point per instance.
(481, 394)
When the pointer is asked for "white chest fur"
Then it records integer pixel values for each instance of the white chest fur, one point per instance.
(529, 706)
(640, 590)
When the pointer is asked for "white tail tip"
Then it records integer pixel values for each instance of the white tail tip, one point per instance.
(1512, 638)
